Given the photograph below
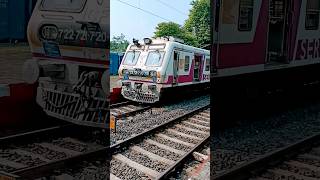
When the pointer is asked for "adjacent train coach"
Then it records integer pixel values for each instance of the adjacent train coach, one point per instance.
(260, 46)
(155, 66)
(69, 42)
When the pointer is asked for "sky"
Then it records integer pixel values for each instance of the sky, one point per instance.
(134, 23)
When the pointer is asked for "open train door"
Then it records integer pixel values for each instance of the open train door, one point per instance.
(280, 30)
(197, 70)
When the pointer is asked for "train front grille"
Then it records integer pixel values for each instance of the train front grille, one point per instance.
(74, 108)
(139, 96)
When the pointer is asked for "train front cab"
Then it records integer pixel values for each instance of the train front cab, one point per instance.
(180, 67)
(262, 46)
(68, 40)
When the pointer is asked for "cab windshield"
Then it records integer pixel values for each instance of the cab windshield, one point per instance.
(131, 58)
(63, 5)
(155, 58)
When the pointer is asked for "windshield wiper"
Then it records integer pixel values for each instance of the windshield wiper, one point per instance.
(134, 56)
(159, 55)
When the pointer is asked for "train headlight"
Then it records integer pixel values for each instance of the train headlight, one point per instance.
(49, 32)
(144, 87)
(104, 82)
(31, 71)
(147, 41)
(125, 74)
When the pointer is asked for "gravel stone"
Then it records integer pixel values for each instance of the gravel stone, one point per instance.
(161, 152)
(189, 132)
(172, 144)
(182, 138)
(145, 161)
(198, 122)
(70, 145)
(194, 127)
(125, 172)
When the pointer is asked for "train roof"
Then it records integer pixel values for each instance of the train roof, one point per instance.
(171, 41)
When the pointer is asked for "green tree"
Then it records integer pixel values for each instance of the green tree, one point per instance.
(174, 30)
(168, 29)
(198, 22)
(119, 43)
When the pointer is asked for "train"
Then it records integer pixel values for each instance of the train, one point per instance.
(155, 66)
(261, 47)
(69, 41)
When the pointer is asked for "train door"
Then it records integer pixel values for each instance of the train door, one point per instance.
(278, 30)
(197, 67)
(176, 58)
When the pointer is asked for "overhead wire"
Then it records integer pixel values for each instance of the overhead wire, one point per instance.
(146, 11)
(173, 8)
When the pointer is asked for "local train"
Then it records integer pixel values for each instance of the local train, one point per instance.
(154, 66)
(262, 46)
(69, 41)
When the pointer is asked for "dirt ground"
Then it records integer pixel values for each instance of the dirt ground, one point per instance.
(11, 63)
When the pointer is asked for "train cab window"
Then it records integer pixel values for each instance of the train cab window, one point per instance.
(245, 15)
(207, 64)
(312, 14)
(154, 58)
(63, 5)
(131, 58)
(186, 63)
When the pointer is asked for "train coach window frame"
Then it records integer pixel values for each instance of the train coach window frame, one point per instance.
(312, 15)
(136, 57)
(162, 54)
(207, 64)
(186, 63)
(42, 8)
(245, 16)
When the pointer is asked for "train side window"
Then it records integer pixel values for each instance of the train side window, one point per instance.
(245, 15)
(186, 63)
(312, 14)
(207, 64)
(63, 5)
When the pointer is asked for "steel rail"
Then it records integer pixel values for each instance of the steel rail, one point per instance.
(120, 104)
(165, 175)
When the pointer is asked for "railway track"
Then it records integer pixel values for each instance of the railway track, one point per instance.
(298, 161)
(127, 108)
(155, 153)
(161, 150)
(25, 155)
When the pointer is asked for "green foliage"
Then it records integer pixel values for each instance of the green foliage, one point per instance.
(119, 43)
(168, 29)
(199, 21)
(174, 30)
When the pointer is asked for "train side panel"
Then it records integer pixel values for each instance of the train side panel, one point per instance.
(241, 44)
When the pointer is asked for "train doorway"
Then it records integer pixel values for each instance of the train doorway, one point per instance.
(278, 28)
(175, 67)
(197, 67)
